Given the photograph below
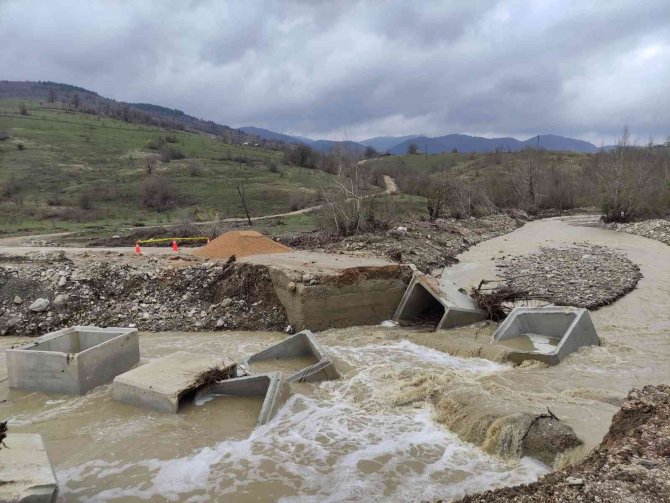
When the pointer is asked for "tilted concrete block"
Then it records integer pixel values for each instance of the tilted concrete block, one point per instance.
(549, 333)
(26, 474)
(162, 383)
(73, 360)
(272, 386)
(443, 302)
(302, 344)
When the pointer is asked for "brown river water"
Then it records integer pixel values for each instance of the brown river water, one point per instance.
(352, 439)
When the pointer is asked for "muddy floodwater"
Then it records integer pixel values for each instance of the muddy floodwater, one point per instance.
(352, 439)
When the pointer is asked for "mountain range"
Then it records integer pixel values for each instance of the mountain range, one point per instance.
(399, 145)
(146, 113)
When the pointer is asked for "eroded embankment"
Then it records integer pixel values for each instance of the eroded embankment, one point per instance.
(632, 464)
(146, 293)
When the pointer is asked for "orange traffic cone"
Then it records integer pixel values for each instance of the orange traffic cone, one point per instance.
(137, 248)
(175, 247)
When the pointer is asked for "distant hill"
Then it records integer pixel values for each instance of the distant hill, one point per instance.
(92, 103)
(467, 143)
(271, 135)
(383, 143)
(323, 146)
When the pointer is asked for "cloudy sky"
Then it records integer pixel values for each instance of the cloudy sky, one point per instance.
(347, 69)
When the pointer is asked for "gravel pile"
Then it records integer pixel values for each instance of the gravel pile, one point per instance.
(632, 464)
(428, 245)
(653, 229)
(582, 276)
(43, 295)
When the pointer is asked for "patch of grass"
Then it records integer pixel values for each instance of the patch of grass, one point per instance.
(68, 154)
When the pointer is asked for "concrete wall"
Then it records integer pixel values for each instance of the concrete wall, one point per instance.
(366, 298)
(52, 364)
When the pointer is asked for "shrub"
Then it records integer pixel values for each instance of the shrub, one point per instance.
(20, 146)
(171, 138)
(23, 109)
(194, 168)
(85, 202)
(273, 168)
(169, 153)
(158, 193)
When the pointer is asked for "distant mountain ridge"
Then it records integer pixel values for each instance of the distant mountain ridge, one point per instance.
(398, 145)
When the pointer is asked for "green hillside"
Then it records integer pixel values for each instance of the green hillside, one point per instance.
(61, 169)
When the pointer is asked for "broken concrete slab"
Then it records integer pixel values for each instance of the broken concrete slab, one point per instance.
(73, 360)
(443, 303)
(326, 290)
(546, 334)
(273, 386)
(161, 384)
(302, 348)
(26, 474)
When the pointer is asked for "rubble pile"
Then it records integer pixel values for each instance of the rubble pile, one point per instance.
(581, 276)
(653, 229)
(45, 294)
(428, 245)
(632, 464)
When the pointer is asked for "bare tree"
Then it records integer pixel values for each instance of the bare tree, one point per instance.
(436, 190)
(23, 109)
(412, 149)
(151, 163)
(344, 197)
(52, 95)
(75, 100)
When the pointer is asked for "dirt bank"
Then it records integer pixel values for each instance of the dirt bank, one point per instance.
(150, 293)
(583, 276)
(428, 245)
(632, 464)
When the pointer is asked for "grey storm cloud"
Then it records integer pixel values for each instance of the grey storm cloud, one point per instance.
(360, 69)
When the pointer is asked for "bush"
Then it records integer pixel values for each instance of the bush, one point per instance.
(171, 138)
(158, 193)
(273, 168)
(10, 187)
(23, 109)
(194, 168)
(20, 146)
(85, 202)
(299, 200)
(169, 153)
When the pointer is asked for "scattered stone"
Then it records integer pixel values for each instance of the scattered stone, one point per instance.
(39, 306)
(62, 281)
(18, 300)
(61, 299)
(657, 229)
(291, 285)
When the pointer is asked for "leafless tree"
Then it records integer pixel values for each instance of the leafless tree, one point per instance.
(412, 149)
(437, 190)
(75, 100)
(52, 95)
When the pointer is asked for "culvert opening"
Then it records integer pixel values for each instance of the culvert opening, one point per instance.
(421, 308)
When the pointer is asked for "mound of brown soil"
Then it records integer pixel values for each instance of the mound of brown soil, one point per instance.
(240, 244)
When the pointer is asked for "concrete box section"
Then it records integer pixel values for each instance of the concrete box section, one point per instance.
(442, 304)
(25, 471)
(161, 384)
(73, 360)
(300, 345)
(546, 334)
(272, 386)
(326, 290)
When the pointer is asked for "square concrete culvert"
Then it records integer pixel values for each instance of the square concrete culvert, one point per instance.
(300, 357)
(546, 334)
(73, 360)
(443, 305)
(26, 474)
(162, 384)
(272, 386)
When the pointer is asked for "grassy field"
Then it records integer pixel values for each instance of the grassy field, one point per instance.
(54, 157)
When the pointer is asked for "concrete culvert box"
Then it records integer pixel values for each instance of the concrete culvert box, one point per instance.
(300, 357)
(73, 360)
(272, 386)
(546, 334)
(442, 305)
(26, 474)
(164, 383)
